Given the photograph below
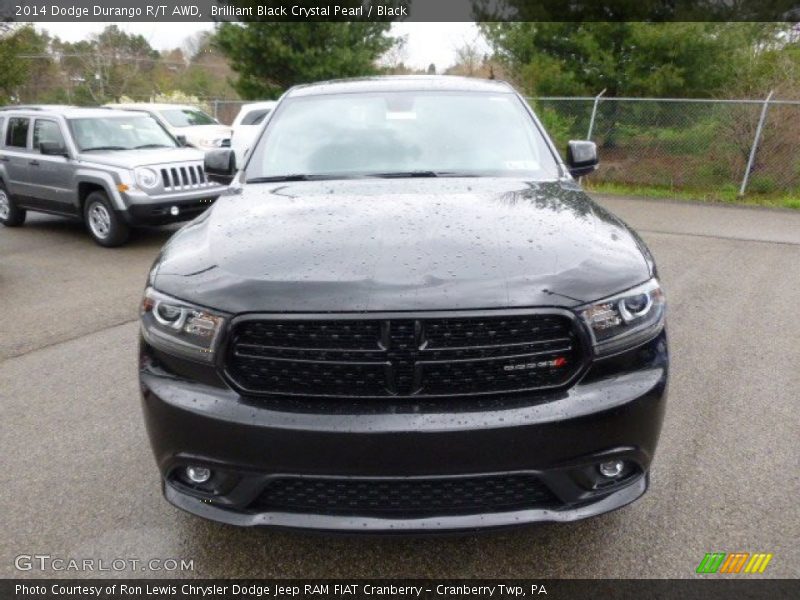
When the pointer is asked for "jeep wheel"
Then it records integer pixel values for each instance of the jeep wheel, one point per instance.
(10, 215)
(103, 223)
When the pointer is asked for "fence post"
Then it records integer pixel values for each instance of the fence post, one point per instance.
(594, 114)
(216, 109)
(754, 148)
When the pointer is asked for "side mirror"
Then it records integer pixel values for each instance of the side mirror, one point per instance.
(220, 165)
(581, 157)
(53, 149)
(181, 139)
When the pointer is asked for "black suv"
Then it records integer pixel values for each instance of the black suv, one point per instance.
(404, 315)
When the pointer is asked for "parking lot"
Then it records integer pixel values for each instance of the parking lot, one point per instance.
(78, 480)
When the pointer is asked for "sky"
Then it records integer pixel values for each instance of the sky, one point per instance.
(426, 42)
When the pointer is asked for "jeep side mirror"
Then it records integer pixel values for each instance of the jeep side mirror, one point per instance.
(53, 149)
(581, 157)
(181, 140)
(220, 164)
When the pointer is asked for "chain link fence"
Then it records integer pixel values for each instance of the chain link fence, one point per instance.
(711, 146)
(225, 111)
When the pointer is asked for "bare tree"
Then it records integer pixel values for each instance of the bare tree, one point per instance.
(469, 59)
(196, 43)
(394, 60)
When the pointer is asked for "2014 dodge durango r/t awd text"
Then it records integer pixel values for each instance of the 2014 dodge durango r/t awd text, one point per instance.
(404, 316)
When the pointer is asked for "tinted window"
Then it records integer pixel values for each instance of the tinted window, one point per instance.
(394, 132)
(47, 131)
(17, 134)
(255, 117)
(185, 117)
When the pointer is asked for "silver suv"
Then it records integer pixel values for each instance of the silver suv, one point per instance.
(111, 168)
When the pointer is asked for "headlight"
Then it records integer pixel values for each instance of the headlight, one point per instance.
(180, 328)
(626, 319)
(215, 143)
(147, 178)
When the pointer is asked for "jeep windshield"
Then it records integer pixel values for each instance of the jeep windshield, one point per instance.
(135, 132)
(401, 134)
(187, 117)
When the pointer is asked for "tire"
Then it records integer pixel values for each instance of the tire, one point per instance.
(10, 215)
(102, 222)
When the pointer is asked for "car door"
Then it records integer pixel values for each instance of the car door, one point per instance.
(16, 156)
(53, 181)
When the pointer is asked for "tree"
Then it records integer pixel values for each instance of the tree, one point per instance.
(196, 44)
(469, 60)
(109, 65)
(208, 73)
(269, 57)
(473, 61)
(626, 58)
(17, 42)
(633, 11)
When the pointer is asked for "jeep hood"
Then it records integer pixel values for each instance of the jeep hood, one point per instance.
(128, 159)
(401, 244)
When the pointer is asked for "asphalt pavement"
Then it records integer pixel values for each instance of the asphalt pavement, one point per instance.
(77, 479)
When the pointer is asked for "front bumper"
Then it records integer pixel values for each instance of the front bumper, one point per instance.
(614, 412)
(142, 210)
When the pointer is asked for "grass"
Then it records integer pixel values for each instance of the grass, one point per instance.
(723, 195)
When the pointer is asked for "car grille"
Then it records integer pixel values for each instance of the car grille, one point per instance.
(419, 357)
(406, 498)
(184, 177)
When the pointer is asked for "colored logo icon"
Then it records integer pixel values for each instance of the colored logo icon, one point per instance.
(735, 562)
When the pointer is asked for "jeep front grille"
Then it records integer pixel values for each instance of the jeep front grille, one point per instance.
(184, 177)
(417, 357)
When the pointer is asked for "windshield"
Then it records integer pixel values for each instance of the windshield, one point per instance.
(186, 117)
(120, 133)
(396, 133)
(255, 117)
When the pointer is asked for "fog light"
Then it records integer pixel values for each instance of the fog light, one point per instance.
(612, 468)
(198, 474)
(174, 211)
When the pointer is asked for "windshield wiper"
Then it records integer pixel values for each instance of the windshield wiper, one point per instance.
(296, 177)
(421, 173)
(104, 148)
(152, 146)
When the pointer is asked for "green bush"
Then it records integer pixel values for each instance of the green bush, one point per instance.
(692, 140)
(560, 127)
(762, 184)
(793, 203)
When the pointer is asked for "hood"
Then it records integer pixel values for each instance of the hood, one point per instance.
(400, 244)
(139, 158)
(195, 133)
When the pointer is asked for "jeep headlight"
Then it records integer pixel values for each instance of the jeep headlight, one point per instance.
(146, 178)
(180, 328)
(626, 319)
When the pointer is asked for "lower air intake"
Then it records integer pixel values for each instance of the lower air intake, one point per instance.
(405, 498)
